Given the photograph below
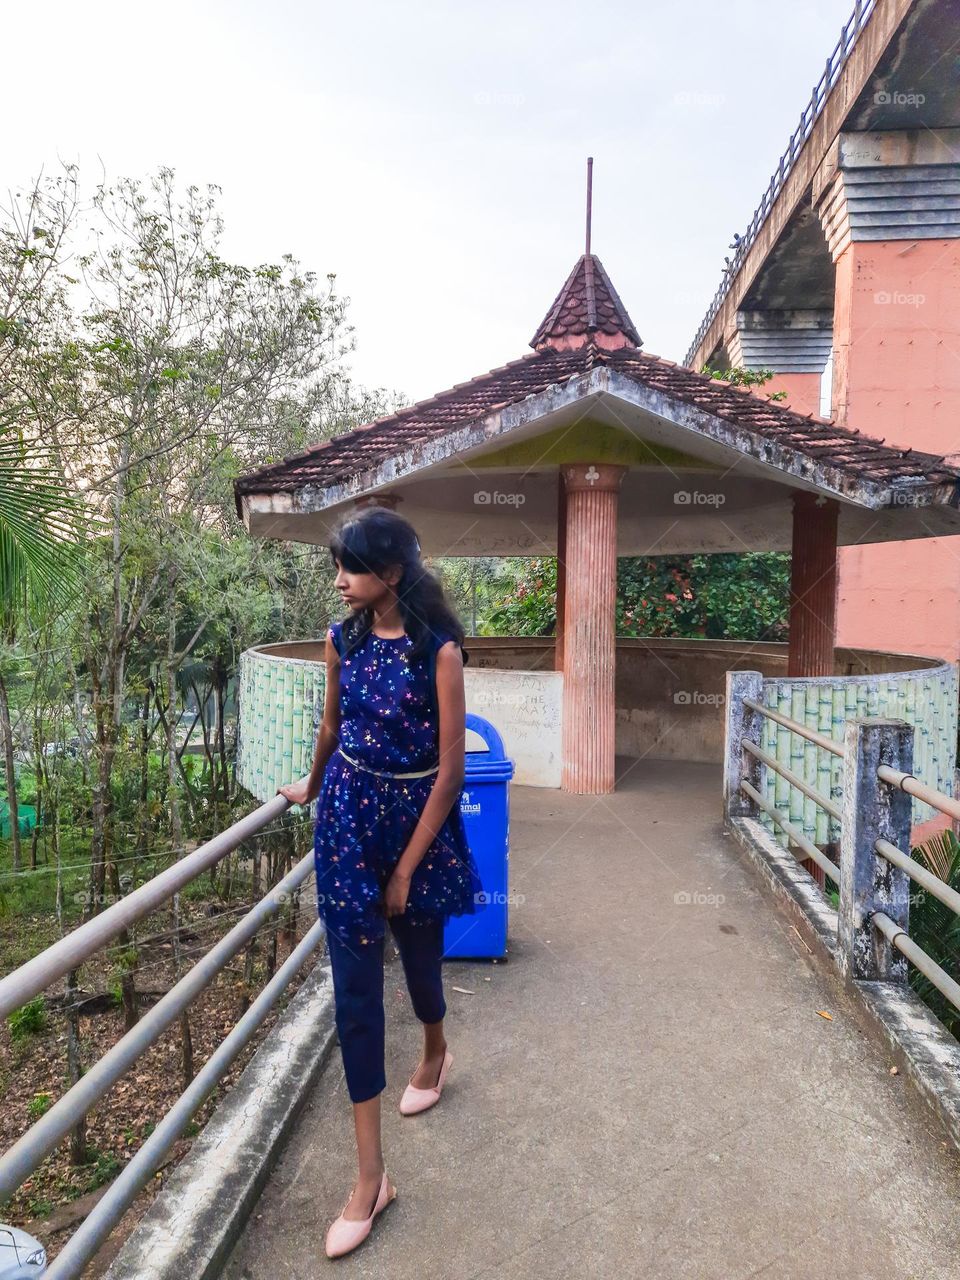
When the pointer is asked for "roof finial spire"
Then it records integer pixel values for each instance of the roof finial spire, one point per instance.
(589, 200)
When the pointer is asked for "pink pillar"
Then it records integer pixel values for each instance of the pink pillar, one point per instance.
(589, 662)
(561, 572)
(813, 587)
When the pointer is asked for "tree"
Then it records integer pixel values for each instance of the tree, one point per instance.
(39, 518)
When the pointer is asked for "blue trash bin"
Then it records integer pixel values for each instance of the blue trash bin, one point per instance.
(485, 806)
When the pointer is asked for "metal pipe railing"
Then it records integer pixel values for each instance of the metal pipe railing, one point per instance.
(919, 958)
(875, 873)
(919, 790)
(825, 803)
(17, 988)
(20, 986)
(926, 879)
(819, 739)
(807, 847)
(20, 1161)
(120, 1194)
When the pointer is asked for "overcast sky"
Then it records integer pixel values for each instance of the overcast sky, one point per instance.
(433, 155)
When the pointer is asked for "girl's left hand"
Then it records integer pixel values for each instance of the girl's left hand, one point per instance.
(396, 893)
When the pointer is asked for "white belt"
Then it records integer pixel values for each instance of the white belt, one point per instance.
(382, 773)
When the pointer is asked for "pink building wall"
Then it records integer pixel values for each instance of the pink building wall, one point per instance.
(897, 373)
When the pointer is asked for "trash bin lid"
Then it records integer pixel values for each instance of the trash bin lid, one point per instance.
(495, 771)
(490, 765)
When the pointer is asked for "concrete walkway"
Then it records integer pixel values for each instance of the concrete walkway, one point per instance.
(644, 1089)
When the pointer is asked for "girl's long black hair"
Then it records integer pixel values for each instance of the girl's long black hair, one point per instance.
(372, 540)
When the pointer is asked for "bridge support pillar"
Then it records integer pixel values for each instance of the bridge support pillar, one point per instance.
(890, 211)
(795, 344)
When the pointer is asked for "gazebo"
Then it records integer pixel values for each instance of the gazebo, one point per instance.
(589, 448)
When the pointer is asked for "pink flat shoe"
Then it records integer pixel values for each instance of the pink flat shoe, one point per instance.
(344, 1234)
(415, 1100)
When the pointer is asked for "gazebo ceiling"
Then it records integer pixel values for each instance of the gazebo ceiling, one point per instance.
(710, 465)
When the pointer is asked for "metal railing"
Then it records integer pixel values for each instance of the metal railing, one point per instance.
(745, 762)
(876, 870)
(23, 984)
(849, 35)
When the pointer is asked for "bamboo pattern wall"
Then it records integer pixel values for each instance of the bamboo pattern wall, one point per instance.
(926, 699)
(281, 704)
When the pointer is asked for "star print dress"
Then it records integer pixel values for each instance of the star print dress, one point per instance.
(365, 821)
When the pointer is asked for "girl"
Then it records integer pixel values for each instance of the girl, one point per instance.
(390, 846)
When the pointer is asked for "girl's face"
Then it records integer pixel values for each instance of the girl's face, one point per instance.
(367, 590)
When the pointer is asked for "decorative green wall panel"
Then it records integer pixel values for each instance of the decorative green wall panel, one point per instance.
(926, 699)
(281, 703)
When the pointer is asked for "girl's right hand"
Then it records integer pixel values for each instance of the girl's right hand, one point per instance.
(298, 792)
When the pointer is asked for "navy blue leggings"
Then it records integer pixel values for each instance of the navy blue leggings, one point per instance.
(358, 996)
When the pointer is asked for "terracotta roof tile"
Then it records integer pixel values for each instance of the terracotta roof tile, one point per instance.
(358, 449)
(337, 460)
(586, 305)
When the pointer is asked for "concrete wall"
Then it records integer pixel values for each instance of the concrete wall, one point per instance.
(670, 692)
(526, 708)
(669, 700)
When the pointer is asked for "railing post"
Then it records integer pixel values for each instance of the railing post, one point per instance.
(873, 811)
(741, 722)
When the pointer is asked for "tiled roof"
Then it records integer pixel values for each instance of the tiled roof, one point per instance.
(819, 438)
(337, 460)
(587, 304)
(362, 447)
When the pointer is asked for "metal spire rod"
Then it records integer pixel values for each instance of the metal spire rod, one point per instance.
(589, 200)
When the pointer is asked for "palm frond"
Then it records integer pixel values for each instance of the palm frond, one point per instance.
(935, 927)
(40, 526)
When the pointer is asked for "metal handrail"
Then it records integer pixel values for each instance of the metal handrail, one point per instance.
(807, 847)
(20, 986)
(898, 937)
(28, 1152)
(914, 787)
(925, 878)
(919, 958)
(849, 34)
(828, 805)
(819, 739)
(120, 1194)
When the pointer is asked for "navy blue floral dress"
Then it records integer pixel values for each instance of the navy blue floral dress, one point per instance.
(364, 822)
